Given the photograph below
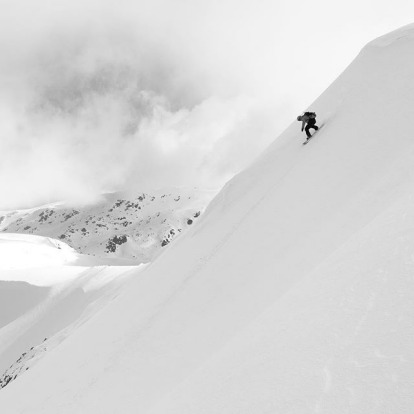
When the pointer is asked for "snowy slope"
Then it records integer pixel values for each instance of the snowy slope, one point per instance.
(116, 226)
(294, 292)
(46, 288)
(22, 251)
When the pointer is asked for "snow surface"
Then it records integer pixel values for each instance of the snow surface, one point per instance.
(44, 292)
(19, 251)
(292, 294)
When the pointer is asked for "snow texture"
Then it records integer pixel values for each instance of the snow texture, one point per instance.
(292, 294)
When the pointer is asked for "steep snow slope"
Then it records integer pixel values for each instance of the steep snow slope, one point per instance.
(44, 292)
(117, 226)
(294, 292)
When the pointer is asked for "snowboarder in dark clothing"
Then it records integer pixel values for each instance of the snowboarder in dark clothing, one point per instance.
(308, 119)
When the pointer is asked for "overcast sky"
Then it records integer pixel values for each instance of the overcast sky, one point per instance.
(129, 94)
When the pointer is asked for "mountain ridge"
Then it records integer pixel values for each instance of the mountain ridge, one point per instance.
(116, 226)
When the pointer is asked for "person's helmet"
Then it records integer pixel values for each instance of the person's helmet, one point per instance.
(299, 118)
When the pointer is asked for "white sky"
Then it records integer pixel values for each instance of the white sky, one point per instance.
(101, 95)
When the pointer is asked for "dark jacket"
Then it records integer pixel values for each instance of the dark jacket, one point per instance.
(306, 119)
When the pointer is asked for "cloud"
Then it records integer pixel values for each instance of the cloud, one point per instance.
(101, 95)
(100, 98)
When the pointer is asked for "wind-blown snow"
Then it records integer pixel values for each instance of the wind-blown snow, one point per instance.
(294, 292)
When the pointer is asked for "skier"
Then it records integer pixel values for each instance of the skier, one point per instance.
(308, 119)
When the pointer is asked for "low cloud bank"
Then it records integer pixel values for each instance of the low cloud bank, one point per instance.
(122, 99)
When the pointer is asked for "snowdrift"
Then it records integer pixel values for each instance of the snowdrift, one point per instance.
(294, 292)
(19, 251)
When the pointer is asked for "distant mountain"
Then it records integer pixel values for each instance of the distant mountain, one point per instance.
(117, 226)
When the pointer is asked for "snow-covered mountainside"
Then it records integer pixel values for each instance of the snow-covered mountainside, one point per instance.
(21, 251)
(46, 289)
(116, 226)
(294, 292)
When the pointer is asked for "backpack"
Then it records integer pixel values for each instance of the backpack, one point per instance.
(310, 115)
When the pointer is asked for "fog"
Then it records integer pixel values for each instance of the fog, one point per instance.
(135, 95)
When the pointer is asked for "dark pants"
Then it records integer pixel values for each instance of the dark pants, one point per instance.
(308, 127)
